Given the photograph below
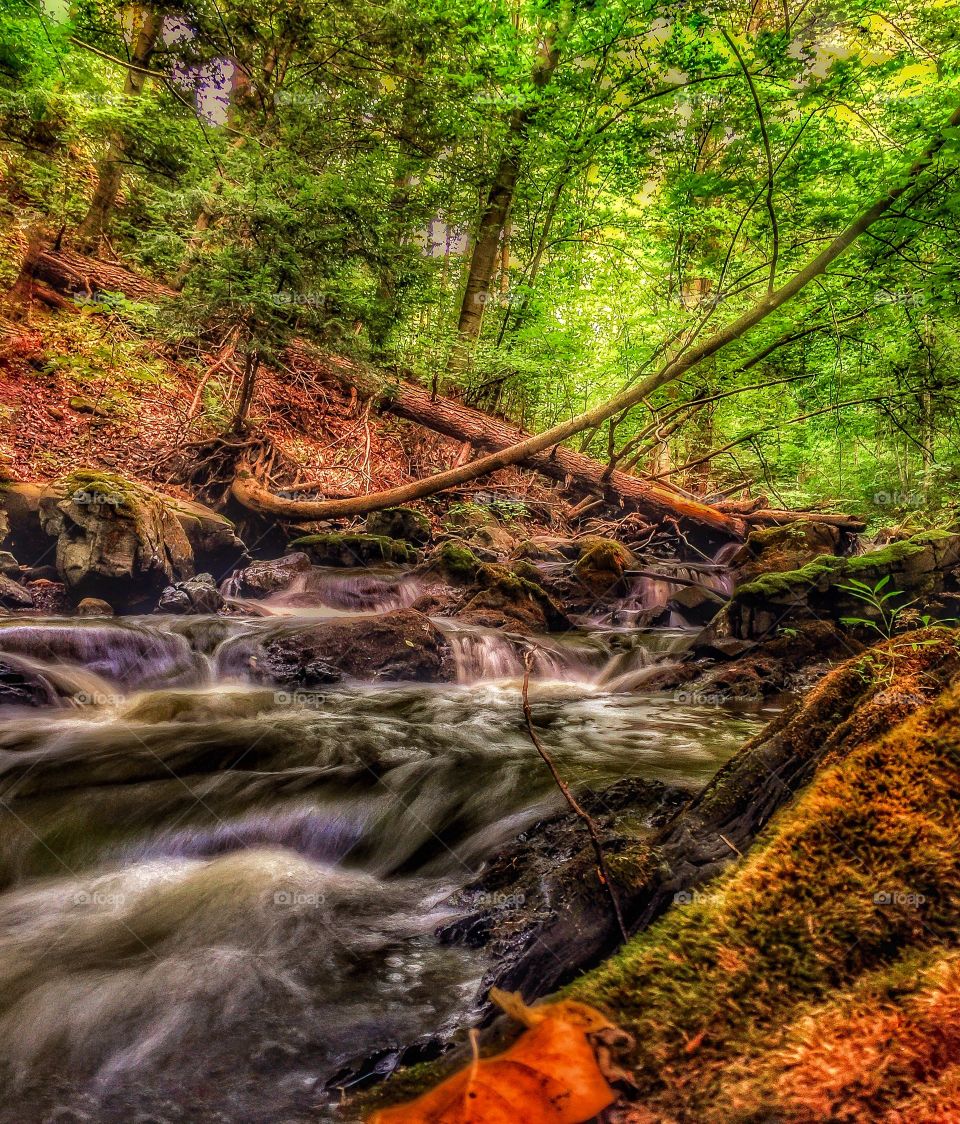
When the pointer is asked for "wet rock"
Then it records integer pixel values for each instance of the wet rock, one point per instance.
(94, 607)
(602, 566)
(260, 579)
(544, 886)
(479, 526)
(507, 600)
(194, 595)
(733, 670)
(213, 538)
(114, 539)
(455, 562)
(922, 569)
(9, 566)
(403, 645)
(492, 594)
(13, 595)
(400, 523)
(697, 605)
(548, 549)
(354, 550)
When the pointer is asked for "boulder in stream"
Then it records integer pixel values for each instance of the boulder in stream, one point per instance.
(115, 539)
(491, 594)
(260, 579)
(402, 645)
(779, 549)
(13, 595)
(193, 595)
(602, 566)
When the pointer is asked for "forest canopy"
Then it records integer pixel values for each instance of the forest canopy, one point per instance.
(533, 205)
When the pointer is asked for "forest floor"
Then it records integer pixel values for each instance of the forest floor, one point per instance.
(88, 390)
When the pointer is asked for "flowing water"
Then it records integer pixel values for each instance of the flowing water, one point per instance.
(216, 898)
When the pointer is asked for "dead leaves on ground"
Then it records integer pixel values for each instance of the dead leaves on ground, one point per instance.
(550, 1075)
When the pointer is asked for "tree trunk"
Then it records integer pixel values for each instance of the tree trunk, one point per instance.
(96, 222)
(483, 432)
(496, 210)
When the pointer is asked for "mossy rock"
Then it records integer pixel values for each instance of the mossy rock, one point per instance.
(602, 565)
(852, 894)
(784, 548)
(508, 600)
(116, 539)
(468, 517)
(456, 561)
(919, 568)
(354, 550)
(400, 523)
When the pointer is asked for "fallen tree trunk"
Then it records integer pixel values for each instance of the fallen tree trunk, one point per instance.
(526, 449)
(481, 431)
(486, 433)
(71, 272)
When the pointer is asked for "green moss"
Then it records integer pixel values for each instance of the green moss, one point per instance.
(777, 584)
(467, 517)
(860, 872)
(831, 569)
(353, 550)
(527, 571)
(97, 486)
(457, 561)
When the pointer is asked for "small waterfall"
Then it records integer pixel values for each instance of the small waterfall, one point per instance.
(127, 654)
(486, 654)
(331, 591)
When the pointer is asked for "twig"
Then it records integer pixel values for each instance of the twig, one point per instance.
(570, 798)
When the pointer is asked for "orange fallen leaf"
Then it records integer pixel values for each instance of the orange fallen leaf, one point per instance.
(549, 1075)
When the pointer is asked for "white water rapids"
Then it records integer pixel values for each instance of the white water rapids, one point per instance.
(217, 897)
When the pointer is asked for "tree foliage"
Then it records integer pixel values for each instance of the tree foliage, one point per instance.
(324, 168)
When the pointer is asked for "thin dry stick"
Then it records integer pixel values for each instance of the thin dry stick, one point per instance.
(570, 798)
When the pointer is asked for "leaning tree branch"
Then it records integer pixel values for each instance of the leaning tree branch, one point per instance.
(247, 489)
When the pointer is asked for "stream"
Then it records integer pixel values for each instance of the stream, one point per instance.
(218, 899)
